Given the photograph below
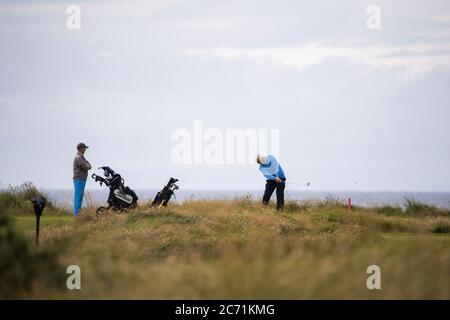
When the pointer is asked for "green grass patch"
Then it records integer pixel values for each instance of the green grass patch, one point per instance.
(28, 223)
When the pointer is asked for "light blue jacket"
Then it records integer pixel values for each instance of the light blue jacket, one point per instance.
(271, 169)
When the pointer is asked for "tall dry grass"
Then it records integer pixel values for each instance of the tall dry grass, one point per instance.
(240, 249)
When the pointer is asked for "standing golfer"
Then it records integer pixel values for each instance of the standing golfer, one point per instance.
(274, 174)
(80, 172)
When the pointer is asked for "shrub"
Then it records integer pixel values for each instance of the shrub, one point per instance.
(17, 200)
(389, 210)
(441, 226)
(414, 207)
(21, 267)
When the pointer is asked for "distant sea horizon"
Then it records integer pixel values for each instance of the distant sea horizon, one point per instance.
(64, 197)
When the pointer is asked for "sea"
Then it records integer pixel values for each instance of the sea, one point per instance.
(64, 197)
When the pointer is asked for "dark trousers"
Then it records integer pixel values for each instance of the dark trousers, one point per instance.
(271, 185)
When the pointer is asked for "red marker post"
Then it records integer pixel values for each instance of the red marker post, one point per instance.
(349, 204)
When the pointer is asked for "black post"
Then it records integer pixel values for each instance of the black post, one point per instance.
(37, 229)
(39, 205)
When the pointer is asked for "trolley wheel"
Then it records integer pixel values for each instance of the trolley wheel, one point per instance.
(100, 211)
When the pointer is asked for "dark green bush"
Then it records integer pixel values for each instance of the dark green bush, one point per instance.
(17, 200)
(22, 266)
(389, 210)
(414, 207)
(441, 227)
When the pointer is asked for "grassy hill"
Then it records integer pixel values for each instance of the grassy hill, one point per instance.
(235, 249)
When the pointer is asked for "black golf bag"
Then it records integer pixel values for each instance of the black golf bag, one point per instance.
(120, 197)
(163, 196)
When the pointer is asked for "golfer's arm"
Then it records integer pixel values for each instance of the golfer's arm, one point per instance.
(274, 165)
(88, 165)
(83, 163)
(270, 176)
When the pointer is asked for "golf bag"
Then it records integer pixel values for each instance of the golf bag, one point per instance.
(120, 197)
(163, 196)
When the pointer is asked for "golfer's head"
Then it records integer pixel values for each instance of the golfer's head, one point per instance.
(259, 159)
(81, 147)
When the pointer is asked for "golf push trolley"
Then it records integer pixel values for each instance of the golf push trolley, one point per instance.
(121, 197)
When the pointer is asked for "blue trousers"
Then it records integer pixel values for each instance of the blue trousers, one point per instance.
(79, 192)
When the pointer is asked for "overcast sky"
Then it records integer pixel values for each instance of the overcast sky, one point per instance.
(351, 103)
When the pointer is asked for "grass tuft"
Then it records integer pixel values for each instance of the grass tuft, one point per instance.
(414, 207)
(17, 200)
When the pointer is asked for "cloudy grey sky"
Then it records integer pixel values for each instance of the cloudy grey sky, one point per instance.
(352, 104)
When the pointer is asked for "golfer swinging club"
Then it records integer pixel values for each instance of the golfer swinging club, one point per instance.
(271, 169)
(80, 173)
